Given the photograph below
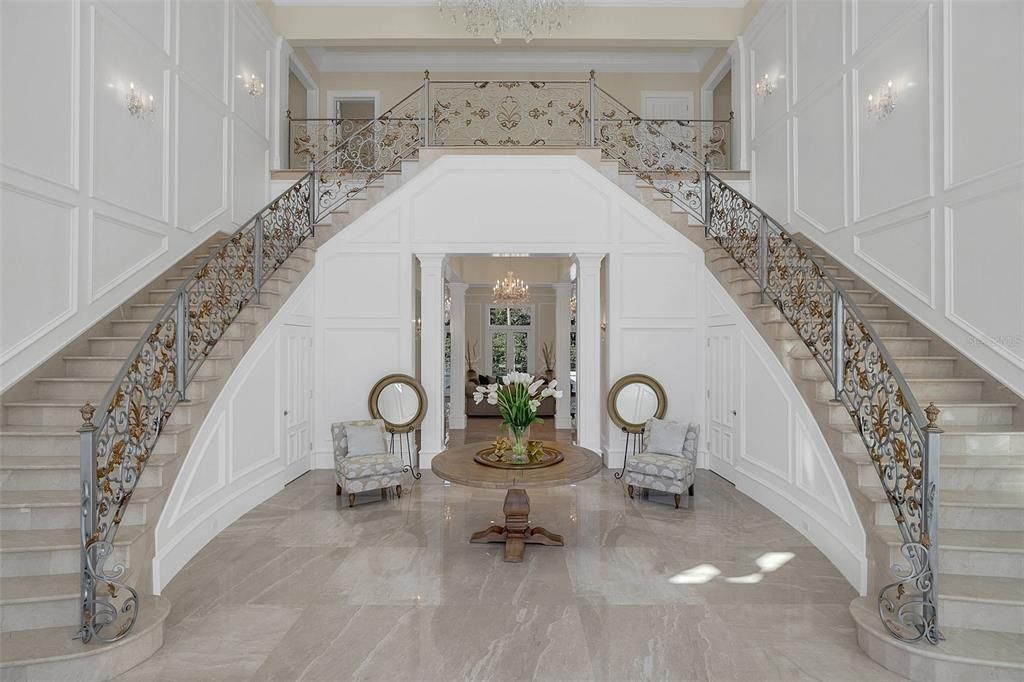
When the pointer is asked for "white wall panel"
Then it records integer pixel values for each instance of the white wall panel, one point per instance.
(768, 441)
(253, 415)
(117, 250)
(893, 157)
(201, 164)
(819, 159)
(203, 41)
(985, 266)
(349, 272)
(658, 286)
(768, 56)
(252, 56)
(904, 252)
(816, 52)
(251, 159)
(129, 155)
(984, 105)
(770, 160)
(38, 283)
(933, 194)
(160, 182)
(40, 132)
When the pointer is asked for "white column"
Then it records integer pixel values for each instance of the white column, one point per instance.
(563, 406)
(432, 353)
(457, 325)
(588, 350)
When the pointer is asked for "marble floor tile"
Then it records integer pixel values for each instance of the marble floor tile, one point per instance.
(305, 588)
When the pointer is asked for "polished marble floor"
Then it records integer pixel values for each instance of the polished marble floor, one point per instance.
(305, 588)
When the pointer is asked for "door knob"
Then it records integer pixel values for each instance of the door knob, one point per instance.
(286, 413)
(733, 413)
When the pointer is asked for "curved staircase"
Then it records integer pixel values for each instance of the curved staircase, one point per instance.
(40, 499)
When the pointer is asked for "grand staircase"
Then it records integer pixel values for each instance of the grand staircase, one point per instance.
(40, 498)
(981, 527)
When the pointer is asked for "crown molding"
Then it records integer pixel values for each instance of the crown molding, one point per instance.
(691, 4)
(508, 61)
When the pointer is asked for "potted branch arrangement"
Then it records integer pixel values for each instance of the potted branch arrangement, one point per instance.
(517, 396)
(471, 374)
(548, 351)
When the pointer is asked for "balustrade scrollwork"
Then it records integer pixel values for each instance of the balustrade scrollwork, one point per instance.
(153, 380)
(312, 138)
(901, 440)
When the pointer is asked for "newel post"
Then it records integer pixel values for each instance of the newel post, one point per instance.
(426, 108)
(930, 514)
(87, 461)
(591, 124)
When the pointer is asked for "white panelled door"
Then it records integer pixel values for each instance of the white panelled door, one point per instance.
(297, 398)
(667, 104)
(723, 399)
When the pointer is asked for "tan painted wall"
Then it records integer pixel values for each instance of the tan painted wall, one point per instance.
(626, 87)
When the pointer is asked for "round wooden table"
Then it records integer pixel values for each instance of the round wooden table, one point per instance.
(457, 465)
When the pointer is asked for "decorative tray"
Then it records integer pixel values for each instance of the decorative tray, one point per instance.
(547, 456)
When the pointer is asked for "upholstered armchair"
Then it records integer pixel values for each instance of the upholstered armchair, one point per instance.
(362, 461)
(668, 460)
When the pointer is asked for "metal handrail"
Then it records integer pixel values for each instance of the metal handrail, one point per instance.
(901, 438)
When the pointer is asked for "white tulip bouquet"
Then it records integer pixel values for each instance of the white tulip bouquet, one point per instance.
(517, 396)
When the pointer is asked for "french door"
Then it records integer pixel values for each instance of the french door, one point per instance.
(510, 339)
(297, 398)
(723, 375)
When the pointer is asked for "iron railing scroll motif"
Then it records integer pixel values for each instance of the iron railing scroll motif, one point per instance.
(153, 380)
(902, 441)
(312, 138)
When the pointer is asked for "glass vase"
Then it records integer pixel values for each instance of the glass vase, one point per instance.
(519, 438)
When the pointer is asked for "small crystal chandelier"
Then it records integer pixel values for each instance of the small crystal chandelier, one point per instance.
(764, 87)
(511, 290)
(882, 103)
(138, 106)
(502, 17)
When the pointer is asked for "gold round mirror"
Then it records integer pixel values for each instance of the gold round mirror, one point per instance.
(400, 401)
(633, 400)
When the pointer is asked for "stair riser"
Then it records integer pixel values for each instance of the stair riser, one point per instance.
(246, 314)
(1009, 479)
(50, 518)
(109, 367)
(64, 479)
(50, 561)
(951, 416)
(48, 445)
(18, 415)
(784, 330)
(998, 564)
(40, 614)
(267, 296)
(925, 390)
(961, 613)
(121, 348)
(982, 443)
(237, 330)
(911, 369)
(963, 518)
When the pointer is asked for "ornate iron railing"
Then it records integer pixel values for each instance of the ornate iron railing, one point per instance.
(311, 138)
(901, 439)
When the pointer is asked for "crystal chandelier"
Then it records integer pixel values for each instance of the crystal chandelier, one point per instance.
(501, 17)
(511, 290)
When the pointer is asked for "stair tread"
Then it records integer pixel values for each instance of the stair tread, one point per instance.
(45, 645)
(58, 538)
(123, 358)
(981, 461)
(72, 404)
(994, 499)
(32, 588)
(35, 430)
(954, 538)
(982, 588)
(56, 462)
(60, 498)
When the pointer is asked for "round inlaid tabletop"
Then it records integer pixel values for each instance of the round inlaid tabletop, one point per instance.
(457, 465)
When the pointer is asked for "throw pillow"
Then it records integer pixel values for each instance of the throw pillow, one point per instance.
(365, 440)
(665, 437)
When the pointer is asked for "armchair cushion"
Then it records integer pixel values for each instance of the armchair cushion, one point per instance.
(364, 440)
(665, 466)
(370, 465)
(665, 437)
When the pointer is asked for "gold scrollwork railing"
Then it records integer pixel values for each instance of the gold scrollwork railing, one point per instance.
(901, 439)
(312, 138)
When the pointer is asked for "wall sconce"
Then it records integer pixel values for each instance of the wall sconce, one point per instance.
(138, 105)
(765, 86)
(883, 102)
(253, 85)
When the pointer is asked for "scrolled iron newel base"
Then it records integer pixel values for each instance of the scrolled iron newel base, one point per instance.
(911, 617)
(100, 613)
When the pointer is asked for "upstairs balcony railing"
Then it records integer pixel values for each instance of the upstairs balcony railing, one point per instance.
(677, 158)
